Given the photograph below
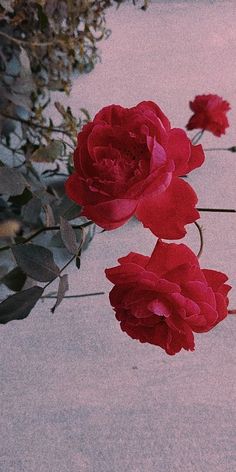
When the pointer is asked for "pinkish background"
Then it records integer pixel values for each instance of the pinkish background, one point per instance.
(77, 395)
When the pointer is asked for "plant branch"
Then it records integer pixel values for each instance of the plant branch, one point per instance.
(71, 258)
(220, 210)
(231, 149)
(44, 229)
(36, 125)
(23, 42)
(201, 238)
(75, 296)
(197, 136)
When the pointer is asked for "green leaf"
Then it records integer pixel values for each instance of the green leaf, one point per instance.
(21, 199)
(68, 209)
(43, 19)
(68, 236)
(7, 5)
(12, 182)
(62, 289)
(89, 236)
(86, 113)
(3, 270)
(48, 153)
(15, 279)
(77, 262)
(31, 211)
(19, 305)
(36, 261)
(49, 216)
(56, 240)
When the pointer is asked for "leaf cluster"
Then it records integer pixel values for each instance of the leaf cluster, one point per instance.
(44, 44)
(28, 210)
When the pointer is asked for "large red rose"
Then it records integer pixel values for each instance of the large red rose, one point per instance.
(209, 114)
(165, 298)
(128, 162)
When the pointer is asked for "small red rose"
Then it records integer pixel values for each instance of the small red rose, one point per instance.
(165, 298)
(209, 114)
(128, 162)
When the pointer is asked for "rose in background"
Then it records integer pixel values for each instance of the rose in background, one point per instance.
(128, 162)
(209, 114)
(165, 298)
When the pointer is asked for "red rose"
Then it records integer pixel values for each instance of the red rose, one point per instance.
(128, 162)
(164, 298)
(209, 114)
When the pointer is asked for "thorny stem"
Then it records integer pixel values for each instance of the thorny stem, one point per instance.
(201, 239)
(44, 229)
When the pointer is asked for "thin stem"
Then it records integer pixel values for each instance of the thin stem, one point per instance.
(71, 258)
(44, 229)
(231, 149)
(52, 173)
(197, 136)
(76, 296)
(22, 42)
(201, 238)
(216, 149)
(70, 145)
(232, 312)
(36, 125)
(61, 270)
(220, 210)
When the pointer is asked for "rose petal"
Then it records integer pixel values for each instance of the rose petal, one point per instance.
(124, 274)
(111, 214)
(167, 214)
(186, 156)
(112, 114)
(167, 256)
(136, 258)
(159, 308)
(214, 278)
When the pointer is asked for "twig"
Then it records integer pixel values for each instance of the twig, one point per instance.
(220, 210)
(23, 42)
(201, 238)
(71, 258)
(36, 125)
(231, 149)
(44, 229)
(197, 136)
(75, 296)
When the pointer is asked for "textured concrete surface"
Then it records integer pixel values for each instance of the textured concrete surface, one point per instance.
(77, 395)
